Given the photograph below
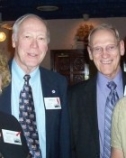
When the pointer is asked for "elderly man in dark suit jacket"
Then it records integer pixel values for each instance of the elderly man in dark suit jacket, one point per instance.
(88, 99)
(30, 39)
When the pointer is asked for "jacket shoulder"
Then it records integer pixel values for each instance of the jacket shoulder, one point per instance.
(52, 75)
(82, 86)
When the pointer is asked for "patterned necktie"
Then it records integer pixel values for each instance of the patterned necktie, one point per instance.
(110, 103)
(27, 118)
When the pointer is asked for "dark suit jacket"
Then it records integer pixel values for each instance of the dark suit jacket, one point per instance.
(83, 109)
(9, 122)
(57, 121)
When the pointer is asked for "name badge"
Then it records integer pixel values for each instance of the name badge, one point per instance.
(52, 103)
(11, 137)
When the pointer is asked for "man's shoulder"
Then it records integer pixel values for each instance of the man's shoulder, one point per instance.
(52, 75)
(50, 72)
(78, 85)
(84, 85)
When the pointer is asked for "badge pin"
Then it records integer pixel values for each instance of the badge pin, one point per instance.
(53, 91)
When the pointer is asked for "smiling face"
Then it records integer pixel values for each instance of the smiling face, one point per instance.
(30, 44)
(106, 52)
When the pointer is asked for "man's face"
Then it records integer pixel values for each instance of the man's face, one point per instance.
(106, 52)
(31, 44)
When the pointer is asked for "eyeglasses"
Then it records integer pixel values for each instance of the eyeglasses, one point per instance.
(109, 48)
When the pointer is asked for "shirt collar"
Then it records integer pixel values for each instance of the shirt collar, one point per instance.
(19, 73)
(103, 79)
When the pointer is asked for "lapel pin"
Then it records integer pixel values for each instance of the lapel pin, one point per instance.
(53, 91)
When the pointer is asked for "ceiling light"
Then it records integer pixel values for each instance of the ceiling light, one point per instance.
(86, 17)
(47, 8)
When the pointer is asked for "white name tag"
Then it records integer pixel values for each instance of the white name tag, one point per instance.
(11, 137)
(52, 103)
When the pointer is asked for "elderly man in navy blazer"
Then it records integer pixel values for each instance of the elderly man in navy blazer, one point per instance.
(30, 39)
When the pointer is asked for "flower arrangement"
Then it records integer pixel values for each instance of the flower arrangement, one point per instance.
(83, 32)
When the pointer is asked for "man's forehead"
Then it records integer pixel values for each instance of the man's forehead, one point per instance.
(103, 35)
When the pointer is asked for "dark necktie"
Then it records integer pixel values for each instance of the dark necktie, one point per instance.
(109, 107)
(27, 118)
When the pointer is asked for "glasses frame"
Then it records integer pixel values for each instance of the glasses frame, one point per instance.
(110, 48)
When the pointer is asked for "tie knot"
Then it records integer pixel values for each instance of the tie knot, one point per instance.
(111, 85)
(26, 78)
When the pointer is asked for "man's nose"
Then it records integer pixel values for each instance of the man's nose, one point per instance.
(34, 43)
(104, 51)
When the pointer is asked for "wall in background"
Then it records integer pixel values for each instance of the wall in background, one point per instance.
(63, 34)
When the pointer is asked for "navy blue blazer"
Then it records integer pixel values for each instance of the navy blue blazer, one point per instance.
(57, 121)
(84, 123)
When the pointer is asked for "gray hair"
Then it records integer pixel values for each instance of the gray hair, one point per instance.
(104, 27)
(21, 19)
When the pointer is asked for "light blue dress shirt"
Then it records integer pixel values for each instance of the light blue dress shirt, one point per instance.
(35, 82)
(102, 93)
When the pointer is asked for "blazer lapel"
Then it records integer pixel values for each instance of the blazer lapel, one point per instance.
(91, 103)
(49, 89)
(5, 100)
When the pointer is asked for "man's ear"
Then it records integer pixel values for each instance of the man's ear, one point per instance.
(90, 53)
(13, 41)
(122, 47)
